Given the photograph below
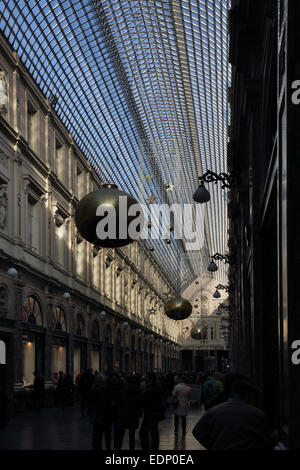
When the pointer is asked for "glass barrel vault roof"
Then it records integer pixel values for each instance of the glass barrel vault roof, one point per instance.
(142, 87)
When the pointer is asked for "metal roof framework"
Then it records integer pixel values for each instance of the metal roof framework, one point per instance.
(142, 87)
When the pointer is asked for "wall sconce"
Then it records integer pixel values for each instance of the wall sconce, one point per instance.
(103, 314)
(201, 194)
(67, 295)
(125, 324)
(228, 288)
(218, 257)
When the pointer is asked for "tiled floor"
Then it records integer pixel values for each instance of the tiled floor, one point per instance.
(54, 429)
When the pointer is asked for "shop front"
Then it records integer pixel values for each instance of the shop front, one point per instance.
(33, 341)
(60, 344)
(79, 347)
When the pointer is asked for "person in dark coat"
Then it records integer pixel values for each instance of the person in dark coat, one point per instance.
(98, 405)
(128, 412)
(152, 404)
(38, 391)
(68, 389)
(84, 387)
(237, 424)
(228, 381)
(59, 392)
(114, 385)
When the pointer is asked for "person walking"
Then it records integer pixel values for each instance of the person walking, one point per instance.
(128, 412)
(114, 386)
(98, 406)
(237, 424)
(152, 404)
(84, 386)
(182, 392)
(211, 388)
(38, 391)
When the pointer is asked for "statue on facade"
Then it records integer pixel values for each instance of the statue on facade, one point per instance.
(3, 205)
(3, 93)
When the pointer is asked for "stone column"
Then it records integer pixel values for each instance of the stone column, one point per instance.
(71, 345)
(17, 348)
(89, 344)
(48, 344)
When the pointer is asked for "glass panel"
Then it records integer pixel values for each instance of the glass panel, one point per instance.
(28, 362)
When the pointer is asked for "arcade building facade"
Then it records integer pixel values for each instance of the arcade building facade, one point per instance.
(64, 303)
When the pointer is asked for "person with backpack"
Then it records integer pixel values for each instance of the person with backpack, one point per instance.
(210, 389)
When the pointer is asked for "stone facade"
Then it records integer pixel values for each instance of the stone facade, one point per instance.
(43, 174)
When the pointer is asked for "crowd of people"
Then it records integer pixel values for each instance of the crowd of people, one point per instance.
(232, 419)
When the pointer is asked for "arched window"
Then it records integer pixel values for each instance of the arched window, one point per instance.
(59, 319)
(79, 325)
(32, 312)
(95, 332)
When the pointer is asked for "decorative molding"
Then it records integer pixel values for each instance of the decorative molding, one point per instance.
(3, 159)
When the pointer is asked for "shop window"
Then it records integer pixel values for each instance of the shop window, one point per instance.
(59, 319)
(95, 360)
(28, 361)
(58, 359)
(32, 312)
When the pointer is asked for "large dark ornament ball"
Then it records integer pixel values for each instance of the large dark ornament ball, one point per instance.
(199, 332)
(86, 219)
(178, 308)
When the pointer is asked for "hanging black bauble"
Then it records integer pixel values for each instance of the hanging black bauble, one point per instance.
(114, 221)
(201, 194)
(178, 308)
